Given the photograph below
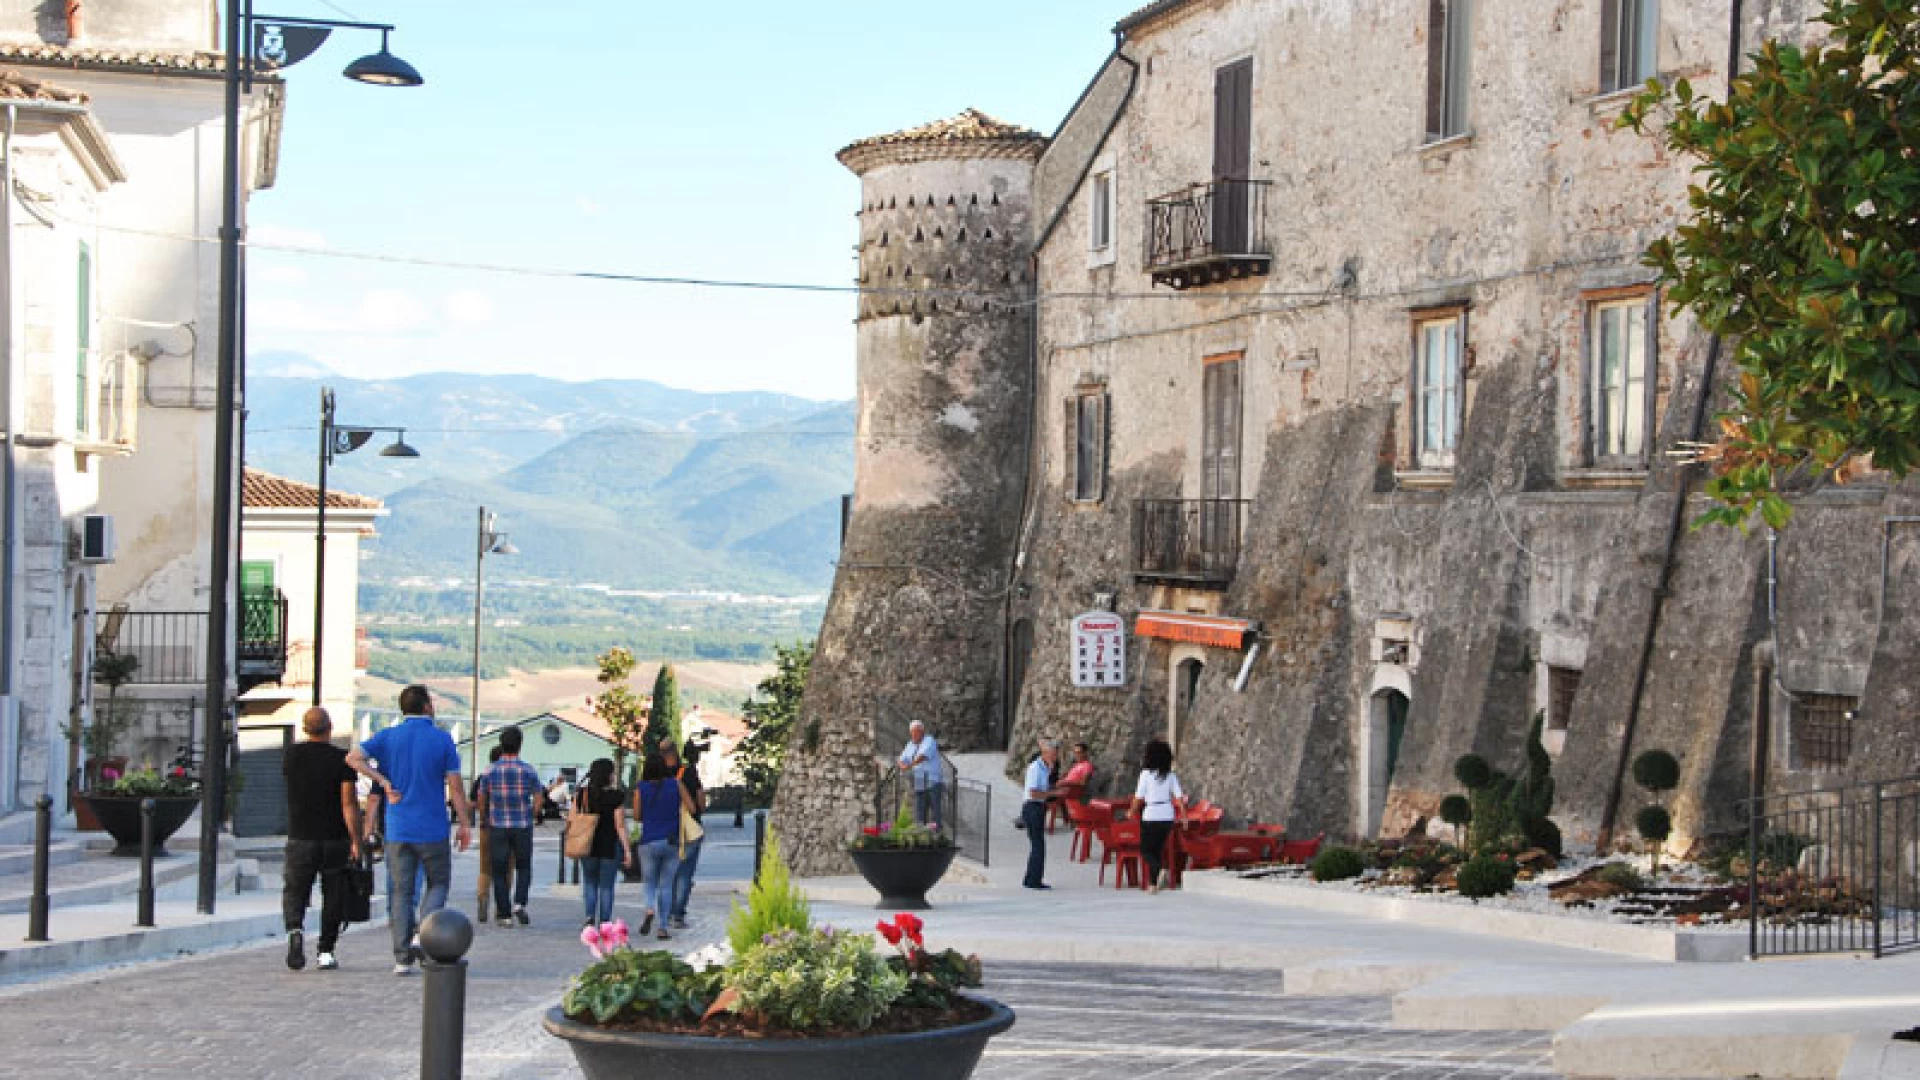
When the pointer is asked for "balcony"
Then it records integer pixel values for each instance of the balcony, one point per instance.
(1204, 234)
(1190, 542)
(167, 648)
(261, 653)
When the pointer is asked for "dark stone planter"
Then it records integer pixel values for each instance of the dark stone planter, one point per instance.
(120, 816)
(945, 1054)
(902, 876)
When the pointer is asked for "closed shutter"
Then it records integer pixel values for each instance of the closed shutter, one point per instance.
(1070, 447)
(1436, 68)
(1610, 76)
(1232, 155)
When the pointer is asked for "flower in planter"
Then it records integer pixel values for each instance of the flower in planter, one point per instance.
(902, 834)
(148, 783)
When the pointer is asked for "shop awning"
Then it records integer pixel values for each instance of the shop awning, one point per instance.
(1215, 630)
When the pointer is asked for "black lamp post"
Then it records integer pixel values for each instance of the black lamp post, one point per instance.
(487, 541)
(280, 43)
(336, 439)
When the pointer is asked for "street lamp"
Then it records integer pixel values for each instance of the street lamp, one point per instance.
(335, 439)
(487, 541)
(280, 43)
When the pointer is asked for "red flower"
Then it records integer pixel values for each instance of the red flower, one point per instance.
(888, 931)
(871, 830)
(910, 925)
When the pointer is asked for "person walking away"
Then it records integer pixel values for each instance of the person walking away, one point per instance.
(417, 763)
(323, 830)
(1158, 802)
(483, 887)
(510, 787)
(657, 802)
(921, 758)
(609, 850)
(687, 771)
(1033, 813)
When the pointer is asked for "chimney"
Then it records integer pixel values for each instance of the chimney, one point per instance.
(73, 21)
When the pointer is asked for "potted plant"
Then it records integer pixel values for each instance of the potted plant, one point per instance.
(792, 1001)
(100, 738)
(117, 806)
(902, 860)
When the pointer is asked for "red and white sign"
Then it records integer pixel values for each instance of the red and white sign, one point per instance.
(1100, 650)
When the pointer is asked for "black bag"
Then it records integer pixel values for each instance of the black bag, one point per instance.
(359, 907)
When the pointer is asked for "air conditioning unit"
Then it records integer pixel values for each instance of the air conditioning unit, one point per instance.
(96, 538)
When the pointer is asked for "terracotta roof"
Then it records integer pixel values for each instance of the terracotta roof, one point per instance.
(37, 52)
(265, 491)
(1148, 14)
(17, 87)
(971, 134)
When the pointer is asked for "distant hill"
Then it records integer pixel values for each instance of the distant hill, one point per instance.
(629, 484)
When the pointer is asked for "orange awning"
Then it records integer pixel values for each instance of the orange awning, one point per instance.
(1212, 630)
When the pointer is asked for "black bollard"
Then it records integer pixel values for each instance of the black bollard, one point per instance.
(42, 839)
(146, 864)
(445, 937)
(576, 871)
(562, 868)
(759, 841)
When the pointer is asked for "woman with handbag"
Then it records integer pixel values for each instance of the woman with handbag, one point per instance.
(597, 836)
(658, 801)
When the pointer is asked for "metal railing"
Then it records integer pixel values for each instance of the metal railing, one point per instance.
(262, 649)
(1835, 870)
(1221, 220)
(166, 646)
(1188, 540)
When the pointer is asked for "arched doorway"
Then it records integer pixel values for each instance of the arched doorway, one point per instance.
(1186, 688)
(1386, 730)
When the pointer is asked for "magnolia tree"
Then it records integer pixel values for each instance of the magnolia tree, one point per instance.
(617, 706)
(1803, 253)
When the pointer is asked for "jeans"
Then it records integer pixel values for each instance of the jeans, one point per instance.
(404, 864)
(328, 860)
(683, 879)
(1034, 813)
(660, 863)
(596, 887)
(512, 865)
(928, 804)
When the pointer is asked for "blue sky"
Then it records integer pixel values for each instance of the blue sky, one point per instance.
(653, 138)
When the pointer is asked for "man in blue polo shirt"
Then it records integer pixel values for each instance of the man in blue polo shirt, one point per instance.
(416, 761)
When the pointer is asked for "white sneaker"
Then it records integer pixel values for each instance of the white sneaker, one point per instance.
(403, 969)
(328, 963)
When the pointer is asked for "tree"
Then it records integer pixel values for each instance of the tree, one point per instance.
(770, 716)
(663, 725)
(1804, 252)
(617, 707)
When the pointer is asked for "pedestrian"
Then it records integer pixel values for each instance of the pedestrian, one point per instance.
(921, 759)
(609, 850)
(416, 763)
(657, 801)
(483, 882)
(323, 830)
(1033, 813)
(1081, 771)
(509, 789)
(1158, 802)
(689, 775)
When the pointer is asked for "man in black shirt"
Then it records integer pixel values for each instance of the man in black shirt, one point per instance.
(323, 830)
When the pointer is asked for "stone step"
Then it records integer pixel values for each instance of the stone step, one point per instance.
(18, 858)
(104, 879)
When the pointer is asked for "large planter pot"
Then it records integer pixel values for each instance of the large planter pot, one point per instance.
(120, 816)
(943, 1054)
(902, 876)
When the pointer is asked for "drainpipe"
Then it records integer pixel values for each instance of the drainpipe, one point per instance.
(9, 517)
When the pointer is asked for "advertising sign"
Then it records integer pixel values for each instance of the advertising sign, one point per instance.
(1100, 650)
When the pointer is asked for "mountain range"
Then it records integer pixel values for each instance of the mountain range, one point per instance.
(623, 483)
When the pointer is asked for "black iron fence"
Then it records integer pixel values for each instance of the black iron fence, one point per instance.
(262, 648)
(963, 808)
(1221, 220)
(161, 646)
(1189, 540)
(1835, 870)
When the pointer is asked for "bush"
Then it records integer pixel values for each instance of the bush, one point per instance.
(1621, 875)
(1654, 824)
(1657, 771)
(1472, 771)
(654, 984)
(1545, 835)
(1455, 810)
(1337, 864)
(801, 980)
(1484, 875)
(773, 904)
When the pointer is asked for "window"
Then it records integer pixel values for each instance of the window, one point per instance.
(1627, 43)
(1449, 45)
(1100, 213)
(1822, 727)
(1562, 684)
(1220, 428)
(1436, 377)
(1087, 444)
(82, 338)
(1620, 351)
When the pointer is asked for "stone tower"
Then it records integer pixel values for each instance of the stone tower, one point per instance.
(914, 628)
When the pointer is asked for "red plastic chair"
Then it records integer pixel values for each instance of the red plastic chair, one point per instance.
(1122, 840)
(1300, 851)
(1204, 822)
(1057, 809)
(1085, 824)
(1265, 829)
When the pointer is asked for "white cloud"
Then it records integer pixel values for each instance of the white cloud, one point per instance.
(588, 206)
(391, 311)
(469, 306)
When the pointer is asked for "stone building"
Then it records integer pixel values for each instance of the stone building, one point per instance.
(1354, 398)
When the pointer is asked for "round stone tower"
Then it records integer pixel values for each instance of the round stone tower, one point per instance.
(914, 628)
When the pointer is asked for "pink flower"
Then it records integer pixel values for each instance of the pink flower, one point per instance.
(614, 934)
(590, 937)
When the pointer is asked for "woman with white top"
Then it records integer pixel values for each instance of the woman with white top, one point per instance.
(1158, 802)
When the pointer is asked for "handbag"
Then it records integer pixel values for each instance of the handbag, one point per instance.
(359, 905)
(580, 829)
(690, 830)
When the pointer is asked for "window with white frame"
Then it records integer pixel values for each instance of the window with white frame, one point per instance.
(1620, 363)
(1439, 341)
(1449, 49)
(1628, 43)
(1100, 213)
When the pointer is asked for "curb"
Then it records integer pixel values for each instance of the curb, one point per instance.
(63, 957)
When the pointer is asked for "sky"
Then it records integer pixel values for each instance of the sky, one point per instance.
(664, 139)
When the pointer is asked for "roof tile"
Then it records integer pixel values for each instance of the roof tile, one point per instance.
(36, 52)
(265, 491)
(971, 134)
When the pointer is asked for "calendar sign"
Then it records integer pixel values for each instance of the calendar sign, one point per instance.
(1100, 650)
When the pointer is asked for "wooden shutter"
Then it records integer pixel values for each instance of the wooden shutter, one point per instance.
(1220, 431)
(1436, 68)
(1609, 45)
(1232, 155)
(1105, 452)
(1070, 444)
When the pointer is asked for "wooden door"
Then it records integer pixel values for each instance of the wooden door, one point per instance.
(1232, 155)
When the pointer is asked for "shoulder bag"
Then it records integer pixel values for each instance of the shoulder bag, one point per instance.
(359, 905)
(580, 829)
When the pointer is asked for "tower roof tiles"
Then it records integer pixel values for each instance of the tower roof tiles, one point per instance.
(971, 134)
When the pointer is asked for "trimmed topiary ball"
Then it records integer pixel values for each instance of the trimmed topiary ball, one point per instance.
(1456, 810)
(1473, 772)
(1484, 875)
(1654, 824)
(1656, 770)
(1337, 864)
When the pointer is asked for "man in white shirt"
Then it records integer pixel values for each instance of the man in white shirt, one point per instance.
(1033, 812)
(921, 759)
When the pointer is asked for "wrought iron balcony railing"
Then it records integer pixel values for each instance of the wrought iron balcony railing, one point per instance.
(1187, 541)
(169, 647)
(261, 655)
(1207, 233)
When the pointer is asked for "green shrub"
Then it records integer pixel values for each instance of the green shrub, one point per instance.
(1472, 771)
(1621, 875)
(773, 904)
(149, 784)
(1654, 825)
(1493, 820)
(802, 980)
(1337, 864)
(1545, 835)
(1531, 799)
(1657, 771)
(656, 984)
(1484, 875)
(1455, 810)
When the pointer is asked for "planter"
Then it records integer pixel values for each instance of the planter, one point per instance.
(902, 876)
(942, 1054)
(120, 816)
